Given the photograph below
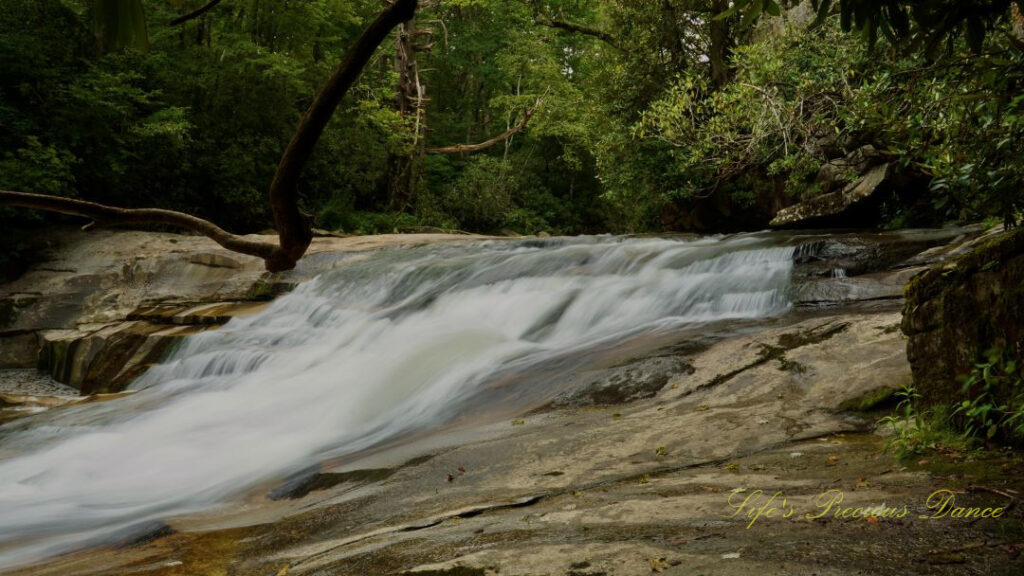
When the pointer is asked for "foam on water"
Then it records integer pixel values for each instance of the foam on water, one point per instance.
(375, 349)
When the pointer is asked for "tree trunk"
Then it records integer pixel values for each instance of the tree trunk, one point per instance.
(718, 51)
(470, 148)
(293, 226)
(410, 101)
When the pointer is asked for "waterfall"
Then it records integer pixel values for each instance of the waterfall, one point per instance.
(382, 346)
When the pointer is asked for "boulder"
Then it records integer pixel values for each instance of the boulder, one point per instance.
(853, 206)
(837, 174)
(959, 309)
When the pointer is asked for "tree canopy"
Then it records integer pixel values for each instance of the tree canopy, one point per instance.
(519, 116)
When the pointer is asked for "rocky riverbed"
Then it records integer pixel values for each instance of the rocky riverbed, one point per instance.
(102, 306)
(638, 468)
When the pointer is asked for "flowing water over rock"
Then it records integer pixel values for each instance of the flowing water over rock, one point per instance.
(378, 349)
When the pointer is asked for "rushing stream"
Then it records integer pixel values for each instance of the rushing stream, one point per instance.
(395, 343)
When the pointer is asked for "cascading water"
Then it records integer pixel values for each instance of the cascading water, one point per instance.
(398, 342)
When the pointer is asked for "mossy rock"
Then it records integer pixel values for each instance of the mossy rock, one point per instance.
(957, 310)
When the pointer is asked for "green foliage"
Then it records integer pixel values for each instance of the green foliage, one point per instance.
(781, 117)
(958, 123)
(633, 132)
(490, 195)
(199, 122)
(992, 411)
(914, 432)
(994, 404)
(39, 168)
(803, 96)
(926, 25)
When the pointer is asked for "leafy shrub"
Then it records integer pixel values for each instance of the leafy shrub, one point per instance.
(803, 96)
(914, 431)
(780, 117)
(994, 407)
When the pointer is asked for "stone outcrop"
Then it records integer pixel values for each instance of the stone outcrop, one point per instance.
(106, 359)
(625, 484)
(957, 310)
(100, 307)
(621, 490)
(853, 206)
(837, 174)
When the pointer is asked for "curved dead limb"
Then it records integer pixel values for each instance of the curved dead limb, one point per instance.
(574, 28)
(294, 228)
(470, 148)
(106, 216)
(195, 13)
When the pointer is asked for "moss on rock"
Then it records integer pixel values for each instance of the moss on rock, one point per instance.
(958, 309)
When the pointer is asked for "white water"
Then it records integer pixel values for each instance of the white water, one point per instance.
(397, 343)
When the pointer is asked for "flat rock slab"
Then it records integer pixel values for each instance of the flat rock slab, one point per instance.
(100, 306)
(105, 275)
(212, 314)
(628, 489)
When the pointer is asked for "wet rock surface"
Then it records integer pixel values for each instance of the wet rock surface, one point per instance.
(106, 305)
(26, 392)
(632, 473)
(866, 267)
(629, 489)
(103, 306)
(634, 381)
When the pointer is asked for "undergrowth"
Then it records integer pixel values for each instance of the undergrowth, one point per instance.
(990, 413)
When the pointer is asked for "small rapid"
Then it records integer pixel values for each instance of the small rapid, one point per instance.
(382, 347)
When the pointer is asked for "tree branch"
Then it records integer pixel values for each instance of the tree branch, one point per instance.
(605, 37)
(103, 216)
(294, 228)
(470, 148)
(195, 13)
